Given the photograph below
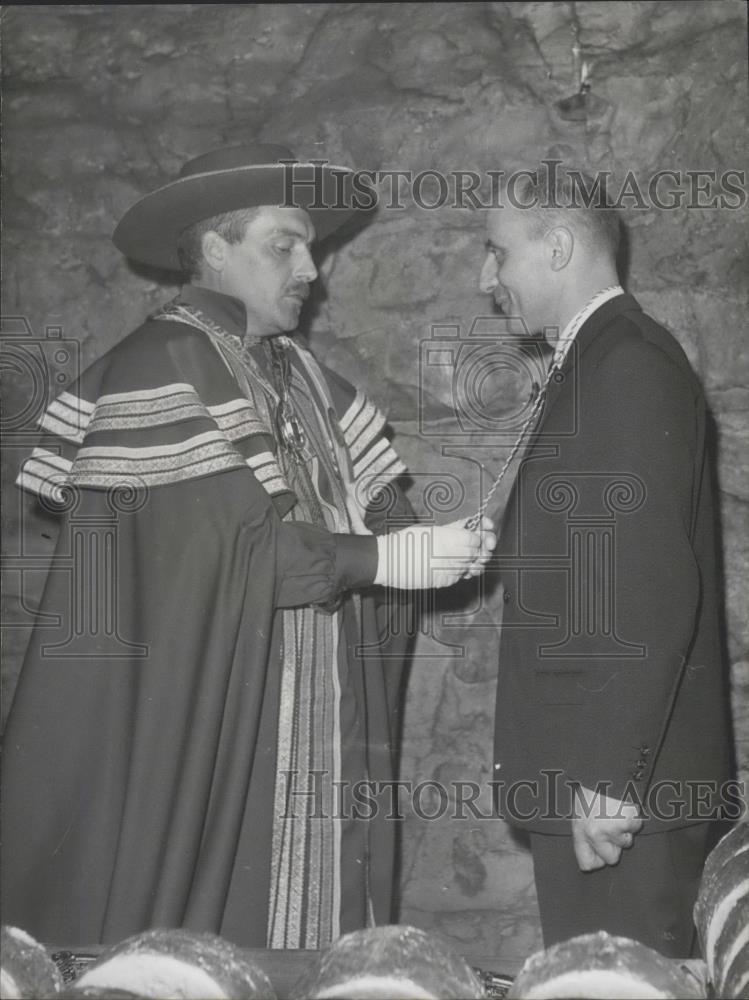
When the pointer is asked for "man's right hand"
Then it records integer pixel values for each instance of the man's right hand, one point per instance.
(422, 556)
(601, 828)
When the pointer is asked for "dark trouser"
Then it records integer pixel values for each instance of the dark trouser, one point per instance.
(648, 896)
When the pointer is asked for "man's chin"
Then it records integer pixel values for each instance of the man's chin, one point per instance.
(288, 319)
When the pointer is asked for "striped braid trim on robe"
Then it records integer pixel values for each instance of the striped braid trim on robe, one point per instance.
(374, 462)
(173, 435)
(151, 437)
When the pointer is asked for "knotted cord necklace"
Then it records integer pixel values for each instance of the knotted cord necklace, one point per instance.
(473, 522)
(554, 370)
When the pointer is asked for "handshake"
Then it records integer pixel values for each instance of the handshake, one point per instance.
(422, 556)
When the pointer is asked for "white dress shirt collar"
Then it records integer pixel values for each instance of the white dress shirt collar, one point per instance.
(570, 331)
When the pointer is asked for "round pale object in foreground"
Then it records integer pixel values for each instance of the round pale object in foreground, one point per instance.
(27, 969)
(395, 961)
(599, 966)
(181, 964)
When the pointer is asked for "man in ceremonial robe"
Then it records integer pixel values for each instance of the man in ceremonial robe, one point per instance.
(189, 761)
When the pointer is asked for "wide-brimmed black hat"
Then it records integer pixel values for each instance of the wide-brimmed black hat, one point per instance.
(225, 180)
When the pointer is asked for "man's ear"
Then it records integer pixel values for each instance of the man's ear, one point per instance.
(561, 243)
(214, 250)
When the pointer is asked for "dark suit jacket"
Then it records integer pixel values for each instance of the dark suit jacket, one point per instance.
(610, 659)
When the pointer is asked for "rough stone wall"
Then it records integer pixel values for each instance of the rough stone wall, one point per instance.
(103, 103)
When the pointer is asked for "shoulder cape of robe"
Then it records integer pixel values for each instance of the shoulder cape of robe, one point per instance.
(133, 738)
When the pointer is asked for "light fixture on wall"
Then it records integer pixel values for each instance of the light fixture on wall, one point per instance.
(582, 105)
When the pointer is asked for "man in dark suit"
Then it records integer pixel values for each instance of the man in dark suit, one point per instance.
(611, 721)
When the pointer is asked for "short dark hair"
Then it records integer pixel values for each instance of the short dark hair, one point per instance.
(230, 225)
(557, 196)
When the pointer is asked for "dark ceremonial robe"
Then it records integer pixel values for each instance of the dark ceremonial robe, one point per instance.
(610, 666)
(196, 637)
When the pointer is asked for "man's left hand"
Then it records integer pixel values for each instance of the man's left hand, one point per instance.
(602, 828)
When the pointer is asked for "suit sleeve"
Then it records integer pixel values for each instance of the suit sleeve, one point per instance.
(645, 435)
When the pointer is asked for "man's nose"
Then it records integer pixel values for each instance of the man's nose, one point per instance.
(304, 267)
(489, 279)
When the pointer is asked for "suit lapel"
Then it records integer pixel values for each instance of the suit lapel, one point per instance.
(586, 336)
